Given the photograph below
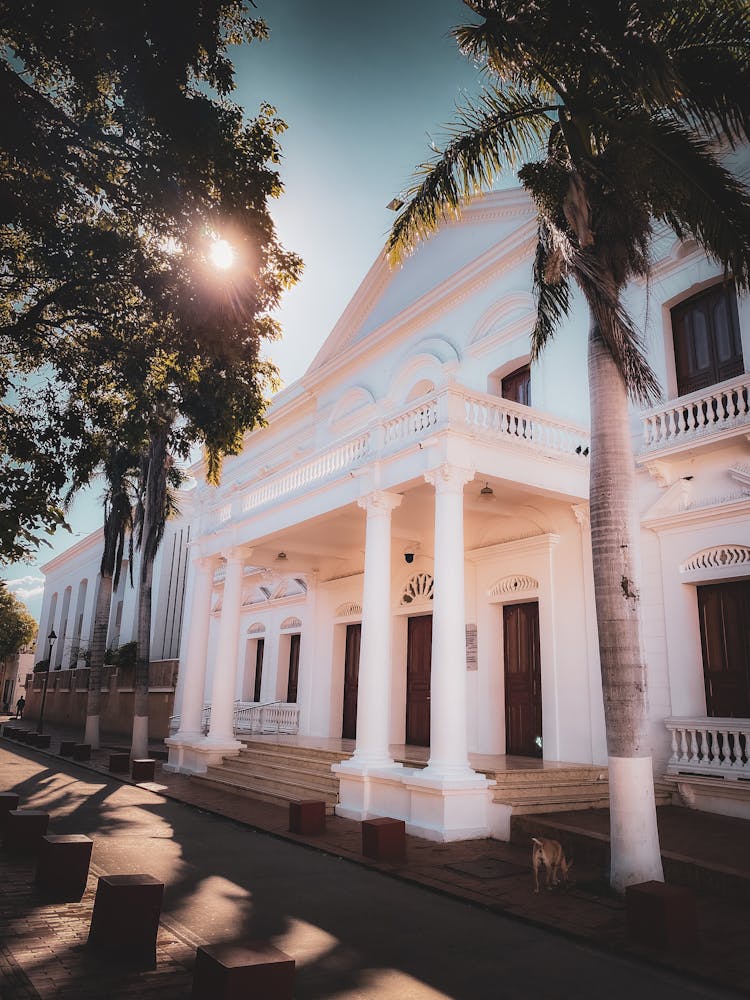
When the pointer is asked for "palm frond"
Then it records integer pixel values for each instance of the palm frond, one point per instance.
(709, 45)
(500, 130)
(617, 328)
(691, 190)
(551, 288)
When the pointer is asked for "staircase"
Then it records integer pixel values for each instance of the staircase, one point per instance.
(278, 773)
(545, 790)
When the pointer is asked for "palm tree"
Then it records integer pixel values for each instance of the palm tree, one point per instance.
(156, 503)
(614, 113)
(118, 524)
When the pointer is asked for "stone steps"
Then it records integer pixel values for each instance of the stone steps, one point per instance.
(545, 790)
(272, 767)
(590, 849)
(278, 773)
(274, 798)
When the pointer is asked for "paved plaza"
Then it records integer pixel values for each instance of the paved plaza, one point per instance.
(354, 931)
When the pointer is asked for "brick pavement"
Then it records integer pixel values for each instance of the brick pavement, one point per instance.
(486, 873)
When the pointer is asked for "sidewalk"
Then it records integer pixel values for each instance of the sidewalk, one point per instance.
(488, 874)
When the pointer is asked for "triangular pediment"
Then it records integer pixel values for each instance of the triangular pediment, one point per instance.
(463, 253)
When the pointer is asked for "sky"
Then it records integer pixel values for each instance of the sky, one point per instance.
(363, 88)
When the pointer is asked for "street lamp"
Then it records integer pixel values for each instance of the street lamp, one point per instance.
(51, 639)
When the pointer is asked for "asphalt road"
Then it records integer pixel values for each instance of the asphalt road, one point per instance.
(353, 932)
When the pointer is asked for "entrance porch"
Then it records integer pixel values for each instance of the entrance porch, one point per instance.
(280, 768)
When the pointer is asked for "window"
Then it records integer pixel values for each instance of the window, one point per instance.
(517, 386)
(706, 334)
(291, 688)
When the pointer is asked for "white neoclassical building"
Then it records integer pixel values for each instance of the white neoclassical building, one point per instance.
(393, 582)
(398, 565)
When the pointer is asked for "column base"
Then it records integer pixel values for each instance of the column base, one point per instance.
(445, 808)
(434, 807)
(366, 792)
(195, 755)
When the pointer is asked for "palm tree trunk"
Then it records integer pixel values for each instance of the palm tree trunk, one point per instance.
(98, 646)
(140, 713)
(615, 530)
(154, 492)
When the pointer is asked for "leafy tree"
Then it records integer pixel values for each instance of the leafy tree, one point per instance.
(17, 627)
(123, 162)
(614, 113)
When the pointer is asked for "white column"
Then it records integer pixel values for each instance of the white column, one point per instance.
(449, 757)
(192, 673)
(220, 732)
(374, 691)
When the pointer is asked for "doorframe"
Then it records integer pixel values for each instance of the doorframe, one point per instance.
(530, 590)
(421, 614)
(526, 599)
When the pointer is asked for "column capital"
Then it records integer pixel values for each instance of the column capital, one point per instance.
(203, 564)
(447, 478)
(234, 556)
(380, 502)
(582, 514)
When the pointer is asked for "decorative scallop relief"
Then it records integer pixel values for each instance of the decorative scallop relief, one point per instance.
(718, 557)
(515, 584)
(419, 588)
(256, 628)
(292, 623)
(348, 610)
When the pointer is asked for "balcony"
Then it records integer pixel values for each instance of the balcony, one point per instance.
(711, 415)
(478, 415)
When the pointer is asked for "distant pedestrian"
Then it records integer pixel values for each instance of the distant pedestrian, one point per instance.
(20, 705)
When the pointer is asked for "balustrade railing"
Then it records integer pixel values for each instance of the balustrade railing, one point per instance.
(271, 717)
(716, 747)
(450, 408)
(411, 423)
(505, 419)
(717, 408)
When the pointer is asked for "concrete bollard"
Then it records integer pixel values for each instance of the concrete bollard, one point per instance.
(662, 916)
(67, 747)
(119, 763)
(8, 801)
(231, 972)
(24, 829)
(62, 866)
(143, 769)
(40, 740)
(384, 839)
(9, 731)
(82, 751)
(125, 920)
(307, 817)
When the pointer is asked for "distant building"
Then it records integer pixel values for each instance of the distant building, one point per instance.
(68, 606)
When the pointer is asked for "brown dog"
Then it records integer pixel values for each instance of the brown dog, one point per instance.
(550, 854)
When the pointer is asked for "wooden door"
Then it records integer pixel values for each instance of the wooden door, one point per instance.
(260, 645)
(523, 681)
(724, 610)
(351, 681)
(291, 687)
(707, 342)
(517, 386)
(418, 669)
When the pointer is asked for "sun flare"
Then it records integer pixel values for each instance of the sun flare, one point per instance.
(222, 254)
